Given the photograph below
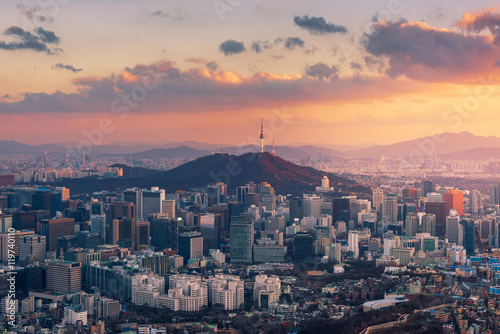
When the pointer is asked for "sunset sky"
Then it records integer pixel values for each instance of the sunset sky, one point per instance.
(331, 72)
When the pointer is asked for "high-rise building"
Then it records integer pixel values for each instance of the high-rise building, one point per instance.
(210, 229)
(8, 248)
(164, 231)
(32, 245)
(454, 200)
(168, 207)
(434, 197)
(266, 290)
(452, 227)
(123, 232)
(378, 199)
(439, 210)
(296, 209)
(241, 239)
(311, 206)
(142, 234)
(44, 200)
(64, 277)
(341, 209)
(56, 228)
(190, 245)
(152, 201)
(226, 290)
(476, 202)
(24, 220)
(411, 225)
(495, 193)
(98, 225)
(353, 243)
(428, 186)
(121, 209)
(469, 235)
(134, 195)
(429, 224)
(390, 207)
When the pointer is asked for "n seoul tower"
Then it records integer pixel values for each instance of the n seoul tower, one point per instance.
(261, 135)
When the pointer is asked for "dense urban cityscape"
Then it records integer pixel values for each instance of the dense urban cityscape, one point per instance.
(249, 166)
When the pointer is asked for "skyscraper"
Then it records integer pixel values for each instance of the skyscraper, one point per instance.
(55, 228)
(411, 225)
(241, 239)
(452, 228)
(142, 234)
(296, 209)
(428, 186)
(210, 228)
(190, 245)
(32, 245)
(476, 202)
(378, 199)
(64, 277)
(353, 243)
(390, 207)
(152, 201)
(469, 234)
(454, 200)
(164, 231)
(134, 195)
(429, 224)
(439, 210)
(123, 232)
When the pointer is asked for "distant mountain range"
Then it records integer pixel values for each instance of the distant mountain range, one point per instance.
(234, 170)
(447, 145)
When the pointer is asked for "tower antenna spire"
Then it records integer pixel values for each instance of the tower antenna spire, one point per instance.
(261, 135)
(274, 152)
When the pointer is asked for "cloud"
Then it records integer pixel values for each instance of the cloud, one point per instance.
(36, 41)
(421, 52)
(159, 13)
(6, 96)
(231, 47)
(212, 66)
(318, 25)
(477, 22)
(258, 46)
(170, 89)
(36, 14)
(196, 60)
(292, 42)
(356, 66)
(322, 71)
(68, 67)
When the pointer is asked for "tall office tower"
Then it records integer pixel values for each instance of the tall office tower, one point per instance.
(56, 228)
(357, 206)
(428, 186)
(44, 200)
(35, 278)
(353, 243)
(223, 211)
(142, 234)
(123, 232)
(152, 201)
(434, 197)
(241, 239)
(409, 195)
(476, 202)
(226, 290)
(495, 193)
(251, 199)
(121, 209)
(303, 246)
(469, 235)
(267, 196)
(190, 245)
(311, 205)
(325, 208)
(487, 229)
(242, 191)
(24, 220)
(98, 225)
(409, 208)
(134, 195)
(7, 247)
(452, 227)
(341, 209)
(96, 207)
(411, 225)
(164, 231)
(6, 222)
(454, 200)
(168, 207)
(276, 223)
(32, 245)
(390, 207)
(210, 229)
(235, 209)
(378, 199)
(64, 277)
(439, 210)
(296, 209)
(429, 224)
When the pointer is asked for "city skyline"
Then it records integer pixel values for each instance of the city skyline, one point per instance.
(209, 72)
